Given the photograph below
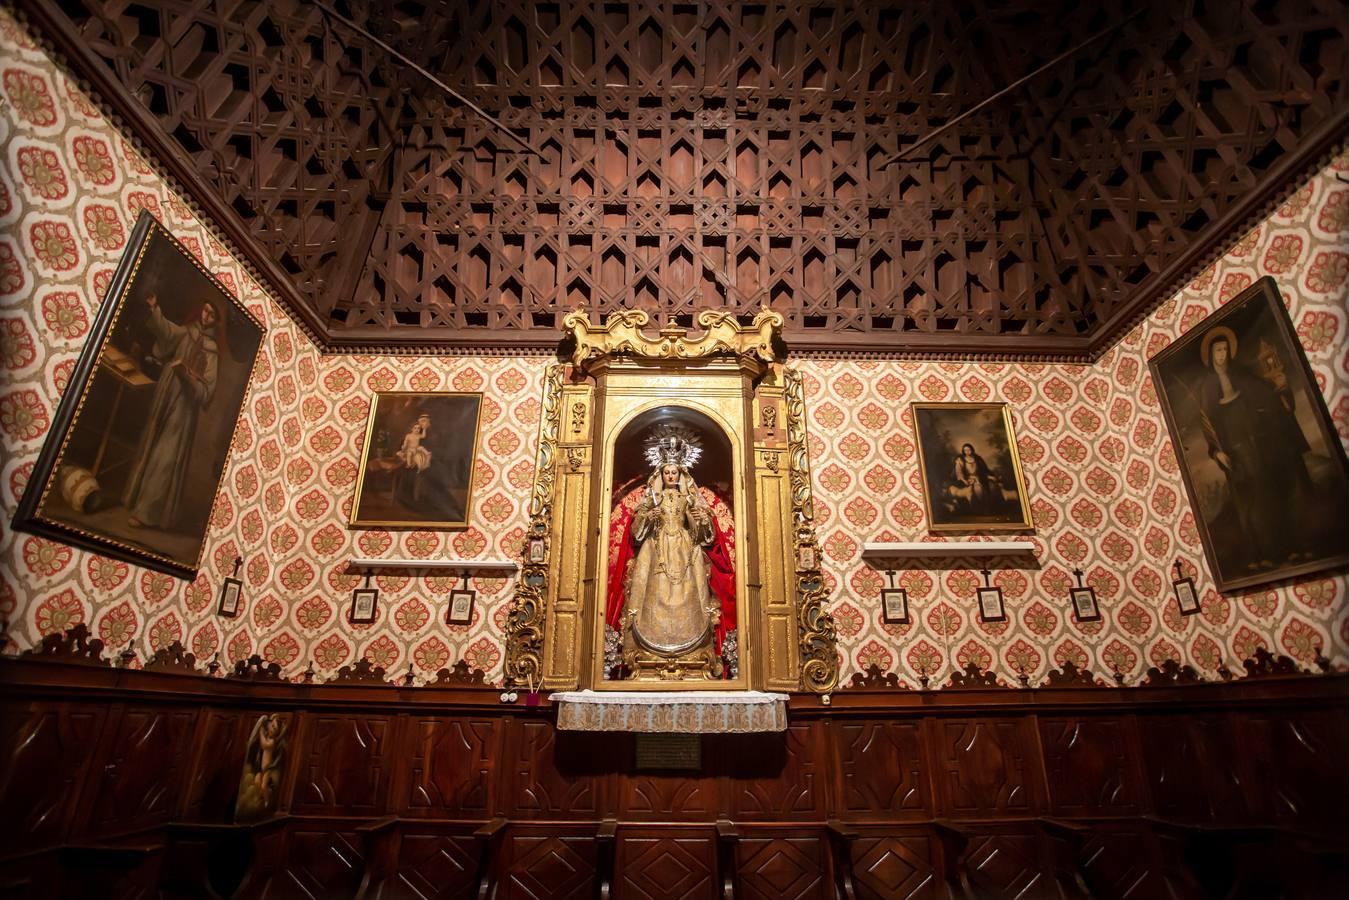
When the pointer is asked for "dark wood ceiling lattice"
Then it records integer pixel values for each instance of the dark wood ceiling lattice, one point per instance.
(728, 155)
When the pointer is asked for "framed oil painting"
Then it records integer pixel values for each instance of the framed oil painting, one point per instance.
(417, 463)
(1262, 463)
(972, 478)
(137, 449)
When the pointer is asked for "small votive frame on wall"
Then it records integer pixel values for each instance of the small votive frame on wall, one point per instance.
(894, 603)
(1187, 598)
(991, 605)
(231, 593)
(1085, 606)
(363, 603)
(460, 610)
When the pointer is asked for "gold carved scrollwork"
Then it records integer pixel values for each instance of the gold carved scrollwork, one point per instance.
(818, 638)
(722, 334)
(524, 623)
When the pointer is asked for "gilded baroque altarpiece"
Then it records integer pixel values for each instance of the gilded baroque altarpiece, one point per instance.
(633, 426)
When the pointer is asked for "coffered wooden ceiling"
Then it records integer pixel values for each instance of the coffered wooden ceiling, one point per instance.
(723, 155)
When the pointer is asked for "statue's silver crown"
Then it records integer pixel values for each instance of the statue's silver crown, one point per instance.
(673, 444)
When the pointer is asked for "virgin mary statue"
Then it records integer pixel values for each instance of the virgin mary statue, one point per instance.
(673, 581)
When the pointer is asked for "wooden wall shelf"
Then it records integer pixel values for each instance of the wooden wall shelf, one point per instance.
(456, 565)
(945, 549)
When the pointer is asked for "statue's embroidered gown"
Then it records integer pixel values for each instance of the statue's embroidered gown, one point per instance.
(668, 582)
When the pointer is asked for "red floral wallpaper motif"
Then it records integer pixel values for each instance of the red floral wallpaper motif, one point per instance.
(1105, 490)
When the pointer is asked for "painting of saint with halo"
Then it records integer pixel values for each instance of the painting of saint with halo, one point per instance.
(1263, 465)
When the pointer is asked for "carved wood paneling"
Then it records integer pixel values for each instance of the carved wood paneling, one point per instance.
(661, 867)
(987, 766)
(776, 778)
(883, 770)
(433, 867)
(345, 765)
(143, 768)
(675, 796)
(896, 867)
(782, 869)
(1091, 766)
(550, 868)
(47, 750)
(306, 863)
(552, 773)
(1294, 766)
(215, 778)
(452, 761)
(725, 155)
(1006, 867)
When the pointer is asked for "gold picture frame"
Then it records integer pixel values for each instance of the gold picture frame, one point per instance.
(974, 491)
(139, 445)
(416, 471)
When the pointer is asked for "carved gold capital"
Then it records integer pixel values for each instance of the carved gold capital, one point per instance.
(722, 335)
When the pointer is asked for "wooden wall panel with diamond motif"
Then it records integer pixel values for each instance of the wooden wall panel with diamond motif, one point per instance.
(722, 155)
(883, 769)
(664, 866)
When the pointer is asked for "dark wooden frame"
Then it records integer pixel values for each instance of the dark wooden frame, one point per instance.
(1264, 290)
(28, 516)
(450, 618)
(886, 594)
(1002, 603)
(356, 597)
(1188, 582)
(230, 582)
(1089, 592)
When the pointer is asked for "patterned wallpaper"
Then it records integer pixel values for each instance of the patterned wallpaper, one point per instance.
(1105, 490)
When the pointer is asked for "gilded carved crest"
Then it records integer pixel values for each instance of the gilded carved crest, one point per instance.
(722, 335)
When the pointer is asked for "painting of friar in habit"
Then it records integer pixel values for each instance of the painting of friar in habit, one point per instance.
(139, 444)
(1264, 467)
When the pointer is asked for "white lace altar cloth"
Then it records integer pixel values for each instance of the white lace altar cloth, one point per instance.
(682, 712)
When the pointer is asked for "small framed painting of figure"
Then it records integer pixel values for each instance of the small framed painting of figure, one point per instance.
(1187, 598)
(417, 462)
(991, 607)
(363, 602)
(231, 593)
(460, 611)
(1262, 462)
(138, 446)
(895, 606)
(1085, 607)
(967, 457)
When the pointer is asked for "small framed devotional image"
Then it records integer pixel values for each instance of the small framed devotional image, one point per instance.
(1262, 462)
(460, 611)
(417, 462)
(991, 606)
(138, 446)
(1085, 606)
(231, 595)
(972, 478)
(1187, 598)
(894, 606)
(363, 602)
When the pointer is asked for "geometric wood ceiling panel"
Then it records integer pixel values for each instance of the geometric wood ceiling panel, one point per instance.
(729, 155)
